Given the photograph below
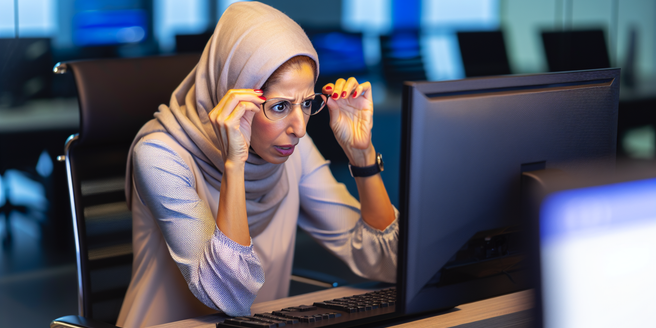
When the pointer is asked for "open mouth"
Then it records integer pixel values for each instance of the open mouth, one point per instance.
(285, 150)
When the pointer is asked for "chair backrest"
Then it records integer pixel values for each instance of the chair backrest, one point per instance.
(116, 97)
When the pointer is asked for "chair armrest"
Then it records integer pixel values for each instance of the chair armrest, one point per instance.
(317, 278)
(76, 321)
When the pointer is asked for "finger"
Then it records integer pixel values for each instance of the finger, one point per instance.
(328, 89)
(333, 110)
(240, 110)
(234, 97)
(233, 124)
(349, 86)
(225, 98)
(364, 90)
(337, 91)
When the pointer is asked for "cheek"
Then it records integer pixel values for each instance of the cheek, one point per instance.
(264, 132)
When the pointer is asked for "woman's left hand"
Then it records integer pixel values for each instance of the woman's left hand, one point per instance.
(351, 118)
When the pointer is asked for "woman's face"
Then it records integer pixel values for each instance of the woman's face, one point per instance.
(275, 141)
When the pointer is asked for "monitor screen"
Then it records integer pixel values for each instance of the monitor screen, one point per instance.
(192, 43)
(340, 53)
(402, 58)
(597, 256)
(464, 147)
(109, 23)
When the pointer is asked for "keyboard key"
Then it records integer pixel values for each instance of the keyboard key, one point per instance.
(226, 325)
(337, 306)
(278, 323)
(289, 321)
(245, 322)
(291, 315)
(304, 308)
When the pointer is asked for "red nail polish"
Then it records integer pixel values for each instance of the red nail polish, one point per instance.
(343, 94)
(258, 91)
(355, 94)
(261, 97)
(335, 95)
(329, 88)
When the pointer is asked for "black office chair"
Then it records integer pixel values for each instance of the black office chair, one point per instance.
(116, 97)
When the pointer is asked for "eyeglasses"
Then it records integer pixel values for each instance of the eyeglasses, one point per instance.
(278, 108)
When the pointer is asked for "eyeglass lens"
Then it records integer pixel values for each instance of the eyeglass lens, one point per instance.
(277, 108)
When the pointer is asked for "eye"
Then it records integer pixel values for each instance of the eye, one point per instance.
(279, 107)
(307, 104)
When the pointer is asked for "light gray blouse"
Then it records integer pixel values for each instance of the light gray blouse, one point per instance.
(174, 213)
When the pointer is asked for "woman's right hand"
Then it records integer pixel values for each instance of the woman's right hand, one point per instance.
(232, 118)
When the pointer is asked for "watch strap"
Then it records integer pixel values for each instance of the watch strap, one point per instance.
(367, 171)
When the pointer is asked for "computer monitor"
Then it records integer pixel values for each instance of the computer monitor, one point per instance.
(402, 58)
(575, 50)
(25, 70)
(464, 147)
(340, 53)
(596, 250)
(104, 23)
(483, 53)
(192, 43)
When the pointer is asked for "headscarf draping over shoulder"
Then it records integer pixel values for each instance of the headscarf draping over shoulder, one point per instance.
(250, 42)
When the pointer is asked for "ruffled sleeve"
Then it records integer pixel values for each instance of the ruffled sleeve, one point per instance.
(221, 273)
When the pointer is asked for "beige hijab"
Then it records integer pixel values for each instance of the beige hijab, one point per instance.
(249, 43)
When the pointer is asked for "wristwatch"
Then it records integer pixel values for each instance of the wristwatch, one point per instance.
(367, 171)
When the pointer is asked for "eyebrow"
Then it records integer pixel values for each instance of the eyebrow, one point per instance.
(292, 99)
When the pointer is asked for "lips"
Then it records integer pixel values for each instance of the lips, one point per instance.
(285, 150)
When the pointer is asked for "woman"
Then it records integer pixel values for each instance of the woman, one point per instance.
(220, 179)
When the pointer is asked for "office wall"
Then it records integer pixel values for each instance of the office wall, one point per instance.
(310, 13)
(522, 20)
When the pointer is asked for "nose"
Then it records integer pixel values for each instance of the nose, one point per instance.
(296, 122)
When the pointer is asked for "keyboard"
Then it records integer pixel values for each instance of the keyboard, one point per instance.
(320, 314)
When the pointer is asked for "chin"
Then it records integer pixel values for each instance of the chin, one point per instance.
(273, 158)
(276, 159)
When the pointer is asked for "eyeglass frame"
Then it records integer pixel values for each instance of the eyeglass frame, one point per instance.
(294, 104)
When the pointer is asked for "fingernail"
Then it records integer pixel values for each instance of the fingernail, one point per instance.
(355, 94)
(261, 97)
(343, 94)
(329, 88)
(335, 95)
(258, 91)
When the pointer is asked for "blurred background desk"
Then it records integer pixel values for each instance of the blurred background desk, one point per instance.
(31, 137)
(37, 262)
(41, 114)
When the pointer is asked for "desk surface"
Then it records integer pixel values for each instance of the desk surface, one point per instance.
(41, 114)
(466, 313)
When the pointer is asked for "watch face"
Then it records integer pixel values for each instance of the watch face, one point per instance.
(381, 164)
